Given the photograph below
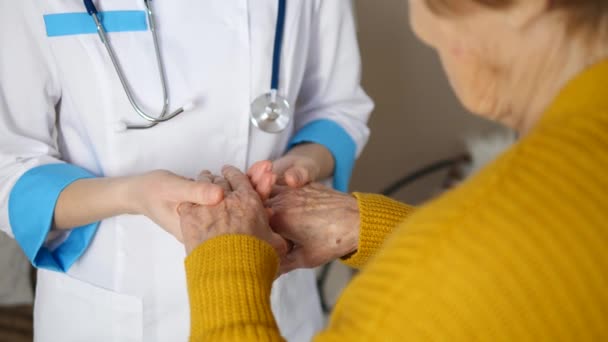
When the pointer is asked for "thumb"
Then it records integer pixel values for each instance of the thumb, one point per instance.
(202, 193)
(297, 177)
(280, 245)
(282, 164)
(292, 261)
(184, 208)
(258, 170)
(269, 212)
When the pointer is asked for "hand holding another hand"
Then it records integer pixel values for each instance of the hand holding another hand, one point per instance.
(319, 223)
(158, 194)
(241, 212)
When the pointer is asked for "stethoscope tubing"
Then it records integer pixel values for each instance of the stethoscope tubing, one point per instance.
(162, 117)
(278, 46)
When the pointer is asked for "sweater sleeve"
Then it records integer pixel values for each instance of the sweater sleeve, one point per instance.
(379, 217)
(229, 282)
(230, 277)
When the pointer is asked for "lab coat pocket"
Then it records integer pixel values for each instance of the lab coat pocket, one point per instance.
(296, 305)
(68, 309)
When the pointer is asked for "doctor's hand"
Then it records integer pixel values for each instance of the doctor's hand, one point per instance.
(303, 164)
(241, 212)
(322, 224)
(158, 194)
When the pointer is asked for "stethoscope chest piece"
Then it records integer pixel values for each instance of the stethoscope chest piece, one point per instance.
(271, 113)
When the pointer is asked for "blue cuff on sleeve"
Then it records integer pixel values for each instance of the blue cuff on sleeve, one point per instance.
(341, 145)
(31, 208)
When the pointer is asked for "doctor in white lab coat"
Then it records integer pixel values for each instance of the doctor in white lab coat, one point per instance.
(93, 207)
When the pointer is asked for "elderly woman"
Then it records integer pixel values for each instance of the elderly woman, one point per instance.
(516, 253)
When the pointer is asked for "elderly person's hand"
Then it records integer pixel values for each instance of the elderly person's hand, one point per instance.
(323, 224)
(241, 212)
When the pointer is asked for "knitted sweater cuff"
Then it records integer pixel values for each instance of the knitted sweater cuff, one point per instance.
(379, 216)
(229, 281)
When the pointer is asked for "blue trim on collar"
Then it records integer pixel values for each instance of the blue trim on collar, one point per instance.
(66, 24)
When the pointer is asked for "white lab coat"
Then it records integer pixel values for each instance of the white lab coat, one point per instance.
(60, 100)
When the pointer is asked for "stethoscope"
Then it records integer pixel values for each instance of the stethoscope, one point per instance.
(270, 112)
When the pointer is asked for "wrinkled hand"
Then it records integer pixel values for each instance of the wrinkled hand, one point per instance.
(241, 212)
(323, 224)
(157, 195)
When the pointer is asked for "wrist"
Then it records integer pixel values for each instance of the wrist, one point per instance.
(127, 195)
(353, 223)
(90, 200)
(319, 155)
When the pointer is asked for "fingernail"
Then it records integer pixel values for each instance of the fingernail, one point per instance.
(269, 212)
(214, 195)
(268, 183)
(290, 257)
(297, 178)
(219, 193)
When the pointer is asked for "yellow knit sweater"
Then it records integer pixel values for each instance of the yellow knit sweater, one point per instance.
(517, 253)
